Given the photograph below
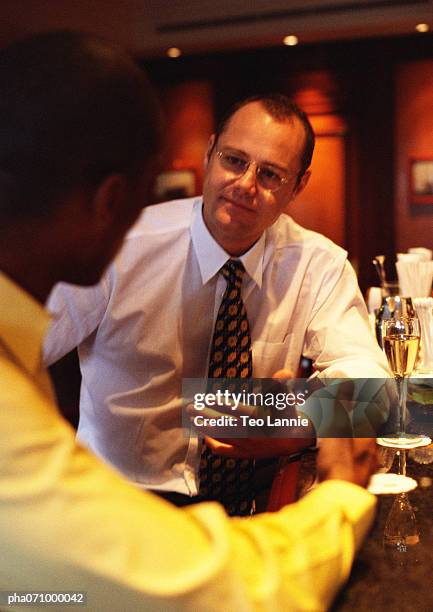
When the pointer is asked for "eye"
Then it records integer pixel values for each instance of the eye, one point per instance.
(234, 162)
(270, 175)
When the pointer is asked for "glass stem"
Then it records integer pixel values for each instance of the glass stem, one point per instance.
(402, 462)
(401, 387)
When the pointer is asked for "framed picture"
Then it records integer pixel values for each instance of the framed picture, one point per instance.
(175, 184)
(421, 180)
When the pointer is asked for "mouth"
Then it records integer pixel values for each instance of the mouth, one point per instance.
(236, 204)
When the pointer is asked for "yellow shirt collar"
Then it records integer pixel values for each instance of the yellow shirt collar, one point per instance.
(23, 323)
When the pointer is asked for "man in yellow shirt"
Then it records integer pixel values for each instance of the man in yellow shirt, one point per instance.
(79, 125)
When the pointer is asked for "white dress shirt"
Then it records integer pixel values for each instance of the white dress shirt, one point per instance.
(149, 323)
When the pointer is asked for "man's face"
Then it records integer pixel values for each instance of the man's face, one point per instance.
(237, 209)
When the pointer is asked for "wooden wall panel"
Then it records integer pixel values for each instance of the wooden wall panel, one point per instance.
(189, 114)
(414, 138)
(321, 207)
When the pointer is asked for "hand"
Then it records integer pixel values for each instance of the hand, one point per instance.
(257, 448)
(283, 375)
(354, 460)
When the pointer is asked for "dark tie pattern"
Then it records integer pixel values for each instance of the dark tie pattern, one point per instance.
(229, 481)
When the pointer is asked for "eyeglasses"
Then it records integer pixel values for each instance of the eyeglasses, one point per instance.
(267, 176)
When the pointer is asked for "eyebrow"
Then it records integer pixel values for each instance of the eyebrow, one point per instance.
(261, 163)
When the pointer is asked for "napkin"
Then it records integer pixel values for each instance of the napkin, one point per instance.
(415, 278)
(424, 311)
(425, 254)
(409, 257)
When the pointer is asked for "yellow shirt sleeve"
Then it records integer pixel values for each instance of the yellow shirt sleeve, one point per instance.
(300, 556)
(67, 522)
(70, 523)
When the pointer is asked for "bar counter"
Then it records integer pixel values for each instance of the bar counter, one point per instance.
(385, 578)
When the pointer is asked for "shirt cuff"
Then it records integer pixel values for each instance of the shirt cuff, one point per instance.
(356, 503)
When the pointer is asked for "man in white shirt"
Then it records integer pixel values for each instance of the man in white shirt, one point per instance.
(149, 323)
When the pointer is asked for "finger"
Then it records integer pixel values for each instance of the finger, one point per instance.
(258, 448)
(241, 448)
(284, 374)
(366, 451)
(335, 459)
(225, 449)
(364, 448)
(208, 411)
(222, 408)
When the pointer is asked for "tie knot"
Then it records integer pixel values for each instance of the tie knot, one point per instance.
(233, 270)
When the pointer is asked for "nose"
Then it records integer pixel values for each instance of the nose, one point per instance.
(247, 181)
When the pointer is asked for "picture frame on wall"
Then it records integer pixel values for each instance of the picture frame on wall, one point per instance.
(421, 180)
(175, 184)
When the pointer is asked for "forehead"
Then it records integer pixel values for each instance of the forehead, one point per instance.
(254, 131)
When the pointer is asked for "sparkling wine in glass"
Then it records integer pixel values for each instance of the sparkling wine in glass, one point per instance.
(401, 342)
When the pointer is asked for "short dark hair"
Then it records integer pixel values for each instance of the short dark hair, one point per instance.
(281, 108)
(73, 109)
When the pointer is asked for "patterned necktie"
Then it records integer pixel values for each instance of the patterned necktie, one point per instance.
(229, 481)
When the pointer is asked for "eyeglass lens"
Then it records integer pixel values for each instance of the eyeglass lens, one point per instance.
(267, 177)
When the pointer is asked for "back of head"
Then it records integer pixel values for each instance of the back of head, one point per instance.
(73, 109)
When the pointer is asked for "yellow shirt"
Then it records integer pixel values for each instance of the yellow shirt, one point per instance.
(68, 522)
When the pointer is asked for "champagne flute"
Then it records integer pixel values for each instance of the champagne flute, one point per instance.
(401, 532)
(401, 337)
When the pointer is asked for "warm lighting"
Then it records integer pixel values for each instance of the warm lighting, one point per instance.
(291, 40)
(174, 52)
(422, 27)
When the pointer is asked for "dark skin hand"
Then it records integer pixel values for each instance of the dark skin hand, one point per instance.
(353, 460)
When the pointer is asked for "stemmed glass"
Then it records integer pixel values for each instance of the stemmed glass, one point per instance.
(401, 337)
(401, 532)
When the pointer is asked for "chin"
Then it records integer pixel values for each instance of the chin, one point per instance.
(82, 280)
(85, 276)
(230, 216)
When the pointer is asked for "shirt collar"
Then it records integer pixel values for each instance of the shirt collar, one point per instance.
(211, 256)
(23, 323)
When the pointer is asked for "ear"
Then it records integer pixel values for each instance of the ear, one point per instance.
(302, 184)
(109, 201)
(210, 146)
